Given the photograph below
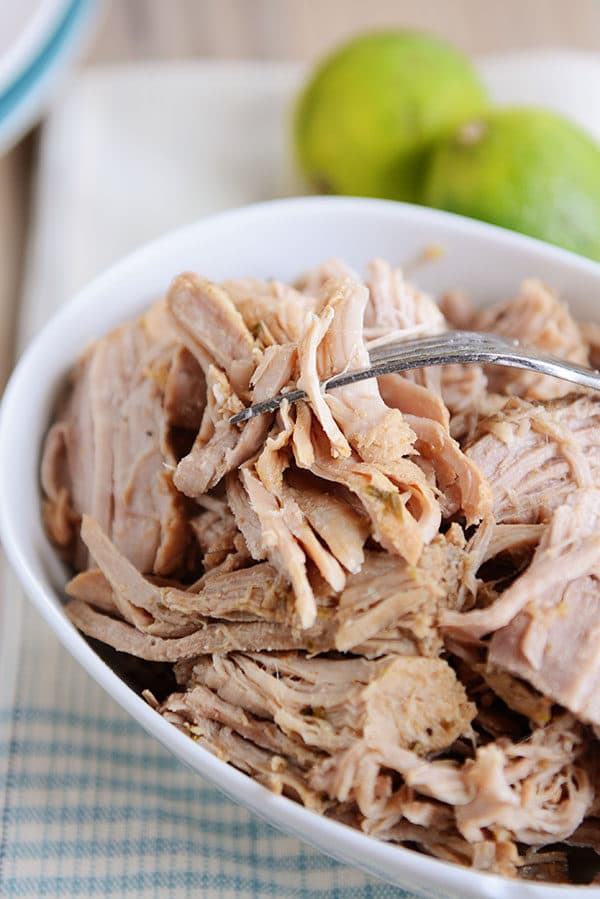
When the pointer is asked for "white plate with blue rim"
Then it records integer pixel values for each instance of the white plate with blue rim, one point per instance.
(40, 41)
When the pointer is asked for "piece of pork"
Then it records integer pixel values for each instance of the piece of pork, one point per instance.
(278, 773)
(461, 481)
(287, 537)
(68, 465)
(221, 447)
(396, 308)
(184, 631)
(458, 309)
(203, 704)
(311, 283)
(211, 637)
(147, 510)
(245, 516)
(464, 392)
(463, 387)
(507, 543)
(417, 821)
(253, 593)
(270, 467)
(414, 639)
(185, 391)
(215, 448)
(341, 525)
(280, 521)
(280, 545)
(535, 455)
(393, 310)
(568, 551)
(310, 381)
(213, 330)
(215, 534)
(356, 417)
(275, 526)
(411, 398)
(390, 600)
(61, 519)
(329, 704)
(359, 775)
(386, 606)
(274, 313)
(393, 525)
(538, 318)
(536, 790)
(427, 711)
(335, 342)
(563, 613)
(92, 587)
(376, 432)
(573, 623)
(388, 592)
(109, 454)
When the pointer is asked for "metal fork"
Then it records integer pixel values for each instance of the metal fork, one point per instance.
(440, 349)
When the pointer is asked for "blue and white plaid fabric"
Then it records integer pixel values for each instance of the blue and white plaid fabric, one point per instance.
(89, 804)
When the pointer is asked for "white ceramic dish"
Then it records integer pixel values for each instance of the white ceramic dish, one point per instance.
(275, 239)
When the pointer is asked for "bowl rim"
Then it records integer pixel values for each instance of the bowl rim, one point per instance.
(29, 38)
(343, 842)
(23, 98)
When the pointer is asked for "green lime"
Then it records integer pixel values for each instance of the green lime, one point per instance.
(525, 169)
(369, 109)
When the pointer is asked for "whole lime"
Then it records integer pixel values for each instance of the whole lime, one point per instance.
(369, 109)
(526, 169)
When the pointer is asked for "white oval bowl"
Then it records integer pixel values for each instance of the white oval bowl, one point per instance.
(278, 239)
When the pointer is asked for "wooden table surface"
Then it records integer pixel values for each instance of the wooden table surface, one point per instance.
(133, 30)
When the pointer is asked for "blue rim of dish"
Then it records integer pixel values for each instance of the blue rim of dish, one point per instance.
(11, 97)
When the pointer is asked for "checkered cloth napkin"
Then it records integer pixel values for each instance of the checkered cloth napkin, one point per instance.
(89, 804)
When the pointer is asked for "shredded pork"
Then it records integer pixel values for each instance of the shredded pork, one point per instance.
(384, 601)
